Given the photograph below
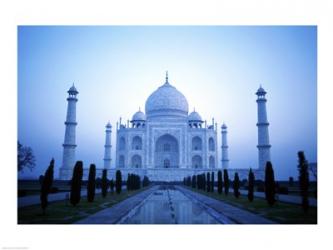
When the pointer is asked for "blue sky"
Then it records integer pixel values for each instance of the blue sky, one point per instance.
(217, 68)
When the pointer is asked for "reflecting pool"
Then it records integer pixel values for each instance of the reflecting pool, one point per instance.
(169, 206)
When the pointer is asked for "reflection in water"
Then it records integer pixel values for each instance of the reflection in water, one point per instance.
(170, 206)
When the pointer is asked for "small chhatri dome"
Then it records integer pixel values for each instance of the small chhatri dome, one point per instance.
(167, 101)
(261, 91)
(224, 126)
(73, 90)
(108, 125)
(139, 116)
(194, 117)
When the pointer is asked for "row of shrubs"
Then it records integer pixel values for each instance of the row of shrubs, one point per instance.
(133, 183)
(206, 182)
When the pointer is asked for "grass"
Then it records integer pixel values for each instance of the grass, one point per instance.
(280, 212)
(62, 212)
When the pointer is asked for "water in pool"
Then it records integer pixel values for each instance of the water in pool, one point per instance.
(169, 206)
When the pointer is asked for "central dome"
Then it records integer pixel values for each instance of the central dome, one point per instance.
(166, 101)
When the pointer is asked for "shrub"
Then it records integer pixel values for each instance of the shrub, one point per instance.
(118, 182)
(269, 184)
(208, 182)
(75, 194)
(226, 181)
(47, 182)
(283, 190)
(250, 186)
(219, 182)
(145, 181)
(236, 185)
(112, 185)
(91, 186)
(212, 184)
(104, 183)
(303, 180)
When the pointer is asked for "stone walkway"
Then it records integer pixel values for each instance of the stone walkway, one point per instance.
(237, 215)
(114, 214)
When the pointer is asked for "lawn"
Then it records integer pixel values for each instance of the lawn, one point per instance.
(62, 212)
(280, 212)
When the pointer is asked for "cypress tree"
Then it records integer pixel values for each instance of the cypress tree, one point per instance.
(75, 195)
(204, 182)
(303, 178)
(208, 182)
(112, 185)
(118, 182)
(212, 182)
(269, 184)
(226, 181)
(194, 181)
(128, 182)
(91, 187)
(46, 185)
(104, 183)
(251, 186)
(236, 185)
(219, 182)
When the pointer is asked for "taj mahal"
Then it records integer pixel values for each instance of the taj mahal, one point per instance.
(166, 142)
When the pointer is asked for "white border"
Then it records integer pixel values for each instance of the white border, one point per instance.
(235, 12)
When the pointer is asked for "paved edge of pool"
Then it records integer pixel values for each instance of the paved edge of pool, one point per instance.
(234, 214)
(116, 213)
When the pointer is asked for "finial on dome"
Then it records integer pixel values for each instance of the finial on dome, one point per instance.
(166, 77)
(139, 109)
(193, 109)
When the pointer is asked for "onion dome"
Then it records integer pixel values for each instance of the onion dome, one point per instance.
(166, 101)
(194, 117)
(139, 116)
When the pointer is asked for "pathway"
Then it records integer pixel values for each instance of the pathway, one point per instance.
(115, 213)
(235, 214)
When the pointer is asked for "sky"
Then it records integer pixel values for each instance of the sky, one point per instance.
(217, 68)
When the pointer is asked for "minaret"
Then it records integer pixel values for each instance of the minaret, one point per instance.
(68, 158)
(263, 136)
(107, 147)
(225, 158)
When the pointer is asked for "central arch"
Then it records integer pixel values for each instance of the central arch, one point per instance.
(166, 152)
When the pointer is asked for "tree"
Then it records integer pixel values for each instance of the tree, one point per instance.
(236, 185)
(145, 181)
(25, 157)
(212, 184)
(208, 182)
(303, 180)
(128, 184)
(194, 181)
(91, 187)
(251, 186)
(75, 195)
(104, 183)
(226, 181)
(204, 182)
(291, 181)
(219, 182)
(118, 182)
(112, 185)
(269, 184)
(46, 186)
